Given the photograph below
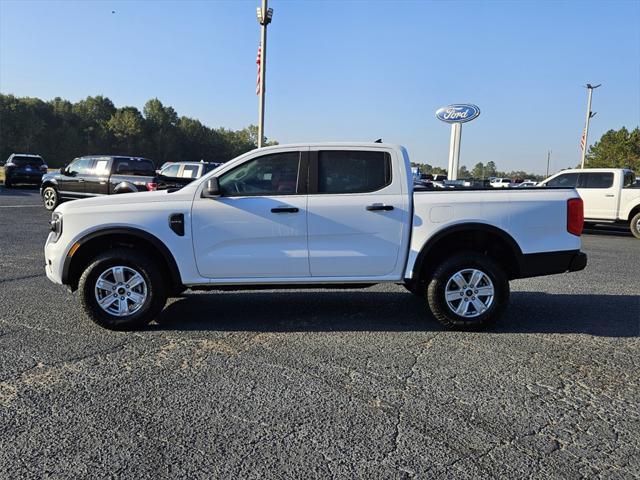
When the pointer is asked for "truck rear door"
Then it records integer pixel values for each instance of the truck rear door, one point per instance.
(600, 192)
(357, 212)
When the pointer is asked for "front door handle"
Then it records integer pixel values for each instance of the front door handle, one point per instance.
(610, 195)
(81, 180)
(379, 206)
(285, 210)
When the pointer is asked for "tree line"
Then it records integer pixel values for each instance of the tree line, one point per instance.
(615, 149)
(60, 131)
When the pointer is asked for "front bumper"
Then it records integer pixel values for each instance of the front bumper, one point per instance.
(550, 263)
(53, 263)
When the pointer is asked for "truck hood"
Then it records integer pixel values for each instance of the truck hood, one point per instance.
(115, 200)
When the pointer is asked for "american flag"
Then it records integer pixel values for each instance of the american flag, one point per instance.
(258, 63)
(582, 139)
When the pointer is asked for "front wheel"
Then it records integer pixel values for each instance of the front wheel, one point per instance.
(468, 290)
(50, 198)
(635, 225)
(122, 289)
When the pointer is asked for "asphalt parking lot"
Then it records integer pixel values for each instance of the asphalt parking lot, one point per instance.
(307, 384)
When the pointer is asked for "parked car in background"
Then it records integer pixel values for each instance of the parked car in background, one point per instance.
(609, 194)
(179, 174)
(24, 168)
(527, 184)
(501, 183)
(354, 222)
(97, 175)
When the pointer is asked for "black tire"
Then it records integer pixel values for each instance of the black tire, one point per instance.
(156, 293)
(634, 226)
(7, 183)
(50, 198)
(442, 275)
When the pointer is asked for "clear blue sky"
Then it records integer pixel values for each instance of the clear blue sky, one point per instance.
(347, 70)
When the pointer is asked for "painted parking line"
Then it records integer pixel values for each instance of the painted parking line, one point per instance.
(20, 206)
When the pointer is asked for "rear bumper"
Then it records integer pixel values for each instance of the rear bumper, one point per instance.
(25, 177)
(549, 263)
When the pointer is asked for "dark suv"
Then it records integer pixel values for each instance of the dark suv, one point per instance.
(24, 168)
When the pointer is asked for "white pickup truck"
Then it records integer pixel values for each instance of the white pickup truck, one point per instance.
(610, 195)
(312, 215)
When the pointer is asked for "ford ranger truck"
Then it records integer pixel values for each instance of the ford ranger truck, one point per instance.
(312, 215)
(610, 195)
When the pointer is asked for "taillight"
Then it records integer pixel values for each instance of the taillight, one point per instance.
(575, 216)
(151, 186)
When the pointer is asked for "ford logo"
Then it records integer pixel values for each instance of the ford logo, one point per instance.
(458, 113)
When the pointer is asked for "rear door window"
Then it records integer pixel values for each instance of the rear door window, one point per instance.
(190, 171)
(596, 180)
(351, 171)
(564, 180)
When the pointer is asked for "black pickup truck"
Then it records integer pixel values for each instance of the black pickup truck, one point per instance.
(98, 175)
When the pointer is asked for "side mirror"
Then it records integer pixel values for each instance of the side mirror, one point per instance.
(63, 170)
(212, 188)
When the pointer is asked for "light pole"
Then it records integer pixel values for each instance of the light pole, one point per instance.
(264, 18)
(548, 160)
(590, 115)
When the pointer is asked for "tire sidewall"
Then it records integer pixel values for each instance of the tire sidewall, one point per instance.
(633, 225)
(437, 287)
(155, 291)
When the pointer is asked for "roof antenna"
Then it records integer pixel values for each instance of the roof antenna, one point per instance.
(378, 141)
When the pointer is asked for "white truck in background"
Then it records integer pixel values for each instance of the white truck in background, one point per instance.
(340, 215)
(610, 195)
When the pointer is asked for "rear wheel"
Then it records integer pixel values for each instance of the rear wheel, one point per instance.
(635, 225)
(50, 198)
(468, 290)
(122, 289)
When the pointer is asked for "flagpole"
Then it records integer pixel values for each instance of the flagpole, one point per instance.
(264, 18)
(590, 115)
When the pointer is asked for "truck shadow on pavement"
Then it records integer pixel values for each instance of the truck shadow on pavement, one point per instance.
(349, 311)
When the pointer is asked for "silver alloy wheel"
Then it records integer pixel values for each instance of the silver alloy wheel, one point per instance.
(638, 225)
(469, 293)
(121, 291)
(49, 197)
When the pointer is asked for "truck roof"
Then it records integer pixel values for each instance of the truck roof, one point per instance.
(333, 144)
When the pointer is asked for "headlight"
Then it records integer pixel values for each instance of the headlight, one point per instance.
(56, 226)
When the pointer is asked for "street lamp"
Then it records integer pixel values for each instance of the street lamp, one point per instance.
(583, 144)
(264, 15)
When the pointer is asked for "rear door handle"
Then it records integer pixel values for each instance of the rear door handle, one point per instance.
(285, 210)
(81, 180)
(379, 206)
(610, 195)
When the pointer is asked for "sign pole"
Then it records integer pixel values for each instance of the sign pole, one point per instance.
(264, 18)
(454, 151)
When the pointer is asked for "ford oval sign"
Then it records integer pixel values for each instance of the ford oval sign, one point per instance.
(458, 113)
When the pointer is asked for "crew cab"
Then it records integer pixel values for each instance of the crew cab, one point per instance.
(97, 175)
(610, 195)
(312, 215)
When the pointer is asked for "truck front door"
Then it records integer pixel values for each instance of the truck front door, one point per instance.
(257, 228)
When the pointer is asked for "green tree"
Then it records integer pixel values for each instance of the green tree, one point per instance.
(463, 172)
(490, 169)
(478, 170)
(616, 149)
(127, 126)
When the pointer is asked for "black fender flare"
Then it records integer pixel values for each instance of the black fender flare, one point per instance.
(125, 187)
(467, 227)
(172, 266)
